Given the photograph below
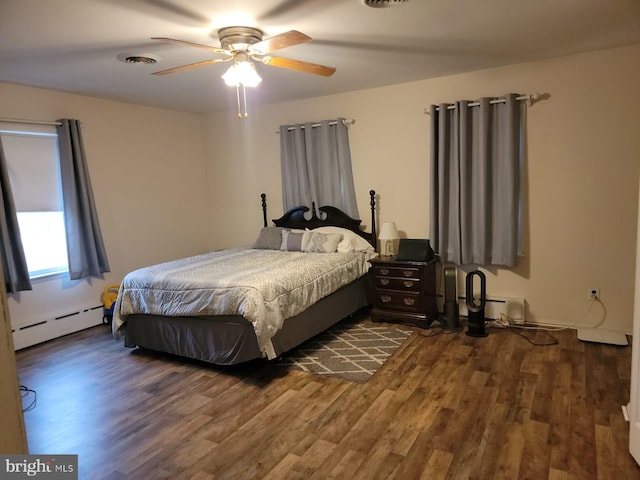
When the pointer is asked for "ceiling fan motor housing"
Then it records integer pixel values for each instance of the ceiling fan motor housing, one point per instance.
(239, 38)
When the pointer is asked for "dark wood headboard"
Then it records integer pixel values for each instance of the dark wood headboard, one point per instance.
(333, 216)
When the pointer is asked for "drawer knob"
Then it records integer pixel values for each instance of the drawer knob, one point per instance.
(384, 271)
(408, 283)
(409, 301)
(385, 298)
(384, 281)
(407, 273)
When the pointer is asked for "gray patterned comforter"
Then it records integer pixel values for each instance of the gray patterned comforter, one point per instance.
(264, 286)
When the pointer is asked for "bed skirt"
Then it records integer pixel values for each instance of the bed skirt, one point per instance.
(231, 339)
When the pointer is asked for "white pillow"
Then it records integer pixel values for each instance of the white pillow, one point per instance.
(323, 242)
(351, 241)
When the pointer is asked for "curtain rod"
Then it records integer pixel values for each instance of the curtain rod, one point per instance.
(29, 122)
(531, 98)
(347, 121)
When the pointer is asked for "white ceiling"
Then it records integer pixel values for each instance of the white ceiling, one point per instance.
(73, 45)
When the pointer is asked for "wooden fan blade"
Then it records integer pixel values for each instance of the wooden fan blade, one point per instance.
(191, 65)
(283, 40)
(299, 65)
(191, 44)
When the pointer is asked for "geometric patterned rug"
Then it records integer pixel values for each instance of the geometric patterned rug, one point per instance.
(349, 350)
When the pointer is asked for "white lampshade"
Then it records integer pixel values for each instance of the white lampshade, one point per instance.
(388, 233)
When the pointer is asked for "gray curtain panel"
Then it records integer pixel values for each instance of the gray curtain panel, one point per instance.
(14, 264)
(475, 198)
(86, 252)
(316, 166)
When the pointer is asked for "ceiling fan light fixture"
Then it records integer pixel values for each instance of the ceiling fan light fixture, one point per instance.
(242, 72)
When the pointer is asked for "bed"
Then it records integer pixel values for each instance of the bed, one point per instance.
(302, 275)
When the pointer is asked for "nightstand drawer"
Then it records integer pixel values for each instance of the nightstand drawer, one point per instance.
(395, 283)
(401, 272)
(388, 299)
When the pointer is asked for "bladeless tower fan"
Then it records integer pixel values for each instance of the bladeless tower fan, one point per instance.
(475, 313)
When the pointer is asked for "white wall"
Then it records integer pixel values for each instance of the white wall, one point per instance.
(146, 166)
(581, 176)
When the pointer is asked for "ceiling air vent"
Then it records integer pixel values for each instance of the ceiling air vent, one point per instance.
(143, 58)
(382, 3)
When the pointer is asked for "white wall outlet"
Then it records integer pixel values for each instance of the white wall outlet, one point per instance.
(594, 293)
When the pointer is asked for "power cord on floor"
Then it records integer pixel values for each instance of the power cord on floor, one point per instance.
(554, 340)
(435, 327)
(504, 321)
(24, 393)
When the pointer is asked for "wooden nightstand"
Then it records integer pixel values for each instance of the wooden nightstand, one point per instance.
(404, 291)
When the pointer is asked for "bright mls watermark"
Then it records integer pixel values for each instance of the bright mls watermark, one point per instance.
(51, 467)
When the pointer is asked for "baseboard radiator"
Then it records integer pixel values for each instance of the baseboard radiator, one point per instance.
(45, 329)
(509, 308)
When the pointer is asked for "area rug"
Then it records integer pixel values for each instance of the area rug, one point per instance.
(349, 350)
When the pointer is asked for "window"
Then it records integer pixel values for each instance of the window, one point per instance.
(33, 164)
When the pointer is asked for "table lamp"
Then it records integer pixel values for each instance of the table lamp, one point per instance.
(388, 234)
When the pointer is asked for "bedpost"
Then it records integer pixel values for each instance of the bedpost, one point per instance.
(263, 196)
(374, 234)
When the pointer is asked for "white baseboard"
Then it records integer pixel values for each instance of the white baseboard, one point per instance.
(50, 328)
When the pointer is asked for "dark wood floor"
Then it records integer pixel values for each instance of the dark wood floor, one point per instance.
(446, 406)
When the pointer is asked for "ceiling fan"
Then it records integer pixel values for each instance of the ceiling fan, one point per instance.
(243, 44)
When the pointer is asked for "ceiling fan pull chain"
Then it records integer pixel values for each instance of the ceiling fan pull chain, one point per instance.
(243, 101)
(244, 94)
(238, 99)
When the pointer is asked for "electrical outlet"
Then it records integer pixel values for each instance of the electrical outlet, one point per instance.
(594, 293)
